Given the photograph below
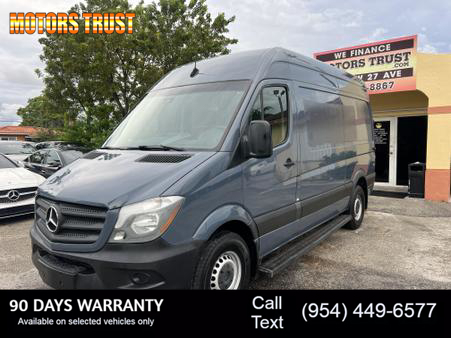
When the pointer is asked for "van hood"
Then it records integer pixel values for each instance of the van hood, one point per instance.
(114, 178)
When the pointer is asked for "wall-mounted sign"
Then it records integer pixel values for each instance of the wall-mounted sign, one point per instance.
(384, 66)
(380, 133)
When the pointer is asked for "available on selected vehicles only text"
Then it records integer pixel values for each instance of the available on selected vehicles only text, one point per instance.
(229, 166)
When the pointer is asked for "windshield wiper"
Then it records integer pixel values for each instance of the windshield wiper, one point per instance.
(160, 147)
(113, 148)
(150, 148)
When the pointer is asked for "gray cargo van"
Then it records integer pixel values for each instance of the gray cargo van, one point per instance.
(231, 166)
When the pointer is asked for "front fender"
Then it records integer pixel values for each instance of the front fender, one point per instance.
(222, 215)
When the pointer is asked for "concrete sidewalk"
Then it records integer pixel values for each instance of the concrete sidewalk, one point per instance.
(416, 207)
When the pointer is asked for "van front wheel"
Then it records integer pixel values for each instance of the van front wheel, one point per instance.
(356, 208)
(224, 264)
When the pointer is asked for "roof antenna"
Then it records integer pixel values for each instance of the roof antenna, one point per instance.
(195, 71)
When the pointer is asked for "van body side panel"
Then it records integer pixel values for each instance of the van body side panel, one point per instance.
(323, 157)
(269, 185)
(277, 238)
(358, 138)
(362, 166)
(335, 142)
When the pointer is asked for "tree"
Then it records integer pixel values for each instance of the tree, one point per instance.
(181, 33)
(95, 79)
(40, 112)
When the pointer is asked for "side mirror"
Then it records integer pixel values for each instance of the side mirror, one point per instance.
(260, 139)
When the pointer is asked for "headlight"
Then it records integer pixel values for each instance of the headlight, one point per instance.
(146, 220)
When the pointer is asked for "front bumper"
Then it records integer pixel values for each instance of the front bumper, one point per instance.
(16, 210)
(156, 264)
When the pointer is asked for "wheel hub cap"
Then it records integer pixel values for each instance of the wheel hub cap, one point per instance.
(226, 273)
(357, 208)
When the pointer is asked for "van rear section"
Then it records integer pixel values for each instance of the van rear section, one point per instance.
(216, 175)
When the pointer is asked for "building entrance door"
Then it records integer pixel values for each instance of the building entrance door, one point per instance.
(411, 145)
(384, 140)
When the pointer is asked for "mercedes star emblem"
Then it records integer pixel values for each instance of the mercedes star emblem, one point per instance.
(13, 195)
(51, 219)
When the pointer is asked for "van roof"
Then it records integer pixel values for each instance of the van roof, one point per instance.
(249, 65)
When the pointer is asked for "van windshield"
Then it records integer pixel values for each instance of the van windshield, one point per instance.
(188, 117)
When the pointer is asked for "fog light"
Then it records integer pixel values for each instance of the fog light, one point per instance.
(140, 278)
(120, 235)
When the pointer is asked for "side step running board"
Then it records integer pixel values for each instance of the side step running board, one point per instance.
(298, 247)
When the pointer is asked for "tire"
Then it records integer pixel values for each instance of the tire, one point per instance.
(356, 208)
(225, 263)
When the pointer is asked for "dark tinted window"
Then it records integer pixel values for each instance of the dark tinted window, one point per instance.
(6, 163)
(272, 105)
(38, 157)
(52, 158)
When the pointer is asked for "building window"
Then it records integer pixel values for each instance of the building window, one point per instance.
(8, 138)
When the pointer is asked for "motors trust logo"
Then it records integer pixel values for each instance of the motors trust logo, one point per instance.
(69, 23)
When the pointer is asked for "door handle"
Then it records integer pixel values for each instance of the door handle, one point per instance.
(288, 163)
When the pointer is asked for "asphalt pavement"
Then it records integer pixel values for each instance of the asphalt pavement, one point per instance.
(402, 244)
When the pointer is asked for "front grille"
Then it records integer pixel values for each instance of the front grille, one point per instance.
(64, 264)
(80, 224)
(24, 194)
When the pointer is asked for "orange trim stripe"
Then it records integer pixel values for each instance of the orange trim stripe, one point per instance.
(439, 110)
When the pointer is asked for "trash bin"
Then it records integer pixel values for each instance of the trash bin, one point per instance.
(416, 179)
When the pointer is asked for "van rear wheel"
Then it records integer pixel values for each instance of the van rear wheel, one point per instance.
(356, 208)
(224, 264)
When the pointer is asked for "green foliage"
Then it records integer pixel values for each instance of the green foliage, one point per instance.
(47, 135)
(40, 112)
(92, 81)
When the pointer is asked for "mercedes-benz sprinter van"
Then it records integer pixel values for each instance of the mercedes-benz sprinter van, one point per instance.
(230, 166)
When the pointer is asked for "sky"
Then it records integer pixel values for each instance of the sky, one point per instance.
(304, 26)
